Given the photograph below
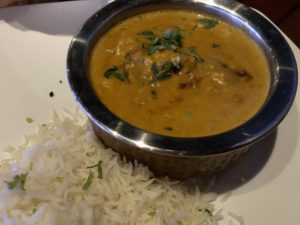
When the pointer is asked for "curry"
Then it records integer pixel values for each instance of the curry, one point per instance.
(178, 73)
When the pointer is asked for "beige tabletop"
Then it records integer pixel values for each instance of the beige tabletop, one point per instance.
(7, 3)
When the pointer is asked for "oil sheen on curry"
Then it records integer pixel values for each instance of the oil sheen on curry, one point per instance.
(178, 73)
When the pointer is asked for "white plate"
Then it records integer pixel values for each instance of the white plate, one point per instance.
(33, 47)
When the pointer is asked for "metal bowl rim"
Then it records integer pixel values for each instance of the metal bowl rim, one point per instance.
(248, 133)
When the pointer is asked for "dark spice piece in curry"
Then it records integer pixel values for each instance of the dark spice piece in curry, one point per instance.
(215, 45)
(242, 73)
(168, 128)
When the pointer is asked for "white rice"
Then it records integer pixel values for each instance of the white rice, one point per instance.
(56, 160)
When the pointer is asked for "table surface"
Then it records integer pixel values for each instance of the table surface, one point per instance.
(33, 46)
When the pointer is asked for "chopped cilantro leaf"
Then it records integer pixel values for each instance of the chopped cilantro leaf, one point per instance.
(179, 222)
(29, 120)
(120, 76)
(207, 23)
(171, 40)
(163, 74)
(173, 35)
(155, 48)
(99, 168)
(110, 71)
(148, 34)
(113, 72)
(154, 68)
(89, 181)
(206, 211)
(59, 179)
(17, 179)
(165, 69)
(152, 213)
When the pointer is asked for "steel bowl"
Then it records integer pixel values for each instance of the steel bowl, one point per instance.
(175, 156)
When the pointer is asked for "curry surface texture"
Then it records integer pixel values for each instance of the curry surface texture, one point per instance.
(178, 73)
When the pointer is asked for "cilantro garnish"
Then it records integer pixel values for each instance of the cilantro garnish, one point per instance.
(59, 179)
(165, 69)
(173, 35)
(206, 211)
(99, 168)
(113, 72)
(29, 120)
(17, 179)
(207, 23)
(152, 213)
(110, 71)
(89, 181)
(148, 34)
(179, 222)
(170, 40)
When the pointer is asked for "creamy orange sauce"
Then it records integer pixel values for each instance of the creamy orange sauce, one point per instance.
(199, 98)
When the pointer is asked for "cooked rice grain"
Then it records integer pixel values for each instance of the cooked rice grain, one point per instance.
(56, 160)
